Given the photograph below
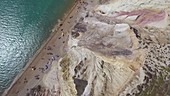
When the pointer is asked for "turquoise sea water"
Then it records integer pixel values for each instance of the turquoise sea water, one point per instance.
(24, 25)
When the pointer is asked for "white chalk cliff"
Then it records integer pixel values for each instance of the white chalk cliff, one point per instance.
(117, 48)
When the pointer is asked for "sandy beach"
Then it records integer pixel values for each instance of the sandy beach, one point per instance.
(51, 50)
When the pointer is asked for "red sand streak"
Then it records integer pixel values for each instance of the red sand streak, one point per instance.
(145, 16)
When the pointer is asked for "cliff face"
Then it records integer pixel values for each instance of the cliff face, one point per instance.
(118, 48)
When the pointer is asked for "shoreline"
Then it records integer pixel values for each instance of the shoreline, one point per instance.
(54, 30)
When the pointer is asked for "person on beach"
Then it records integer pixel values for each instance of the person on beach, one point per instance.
(46, 67)
(42, 70)
(33, 68)
(49, 48)
(37, 77)
(49, 53)
(52, 58)
(25, 80)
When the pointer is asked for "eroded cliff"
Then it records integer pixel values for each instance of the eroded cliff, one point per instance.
(117, 48)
